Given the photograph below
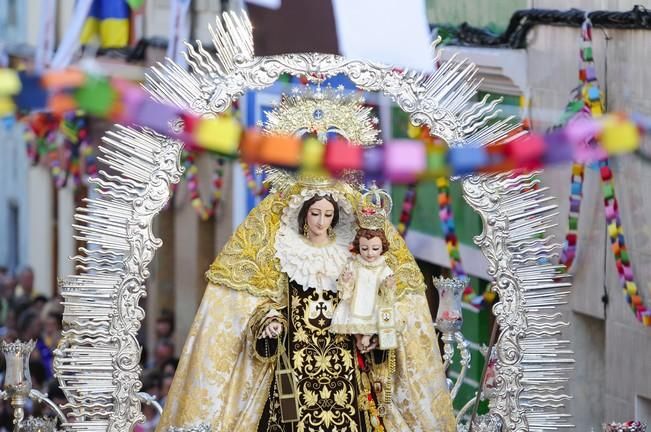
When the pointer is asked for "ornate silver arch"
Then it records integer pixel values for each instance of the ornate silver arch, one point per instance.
(97, 362)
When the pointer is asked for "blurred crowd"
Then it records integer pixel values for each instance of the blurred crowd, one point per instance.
(158, 369)
(27, 315)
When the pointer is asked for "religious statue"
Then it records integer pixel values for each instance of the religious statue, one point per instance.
(261, 355)
(366, 287)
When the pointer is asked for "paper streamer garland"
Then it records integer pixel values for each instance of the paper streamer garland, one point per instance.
(409, 200)
(407, 209)
(124, 102)
(79, 160)
(436, 146)
(446, 217)
(589, 102)
(203, 210)
(41, 133)
(62, 144)
(629, 426)
(251, 183)
(618, 246)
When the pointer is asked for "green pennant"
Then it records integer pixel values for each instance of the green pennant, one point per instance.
(96, 96)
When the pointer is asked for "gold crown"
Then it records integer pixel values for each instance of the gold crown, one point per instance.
(374, 208)
(319, 111)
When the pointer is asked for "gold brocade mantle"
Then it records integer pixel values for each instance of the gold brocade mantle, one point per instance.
(221, 380)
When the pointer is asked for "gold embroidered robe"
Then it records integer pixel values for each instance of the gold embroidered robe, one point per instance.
(223, 382)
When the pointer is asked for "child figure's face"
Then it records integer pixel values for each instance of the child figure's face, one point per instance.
(370, 249)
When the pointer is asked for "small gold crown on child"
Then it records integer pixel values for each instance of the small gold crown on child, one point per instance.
(374, 208)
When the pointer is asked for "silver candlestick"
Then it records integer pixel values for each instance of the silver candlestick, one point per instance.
(449, 321)
(18, 383)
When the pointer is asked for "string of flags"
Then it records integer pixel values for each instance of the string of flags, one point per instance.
(399, 161)
(446, 219)
(124, 102)
(61, 143)
(588, 104)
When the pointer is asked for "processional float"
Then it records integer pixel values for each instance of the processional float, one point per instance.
(97, 360)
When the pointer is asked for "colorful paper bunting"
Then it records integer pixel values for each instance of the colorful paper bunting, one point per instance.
(615, 136)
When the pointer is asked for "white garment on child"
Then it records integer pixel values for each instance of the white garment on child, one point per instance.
(357, 310)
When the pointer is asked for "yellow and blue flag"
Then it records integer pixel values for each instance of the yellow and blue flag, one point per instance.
(107, 20)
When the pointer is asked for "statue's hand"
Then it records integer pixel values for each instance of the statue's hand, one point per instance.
(363, 343)
(347, 277)
(273, 330)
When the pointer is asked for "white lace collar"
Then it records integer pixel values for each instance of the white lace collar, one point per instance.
(308, 265)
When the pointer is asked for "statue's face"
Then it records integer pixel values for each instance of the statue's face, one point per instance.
(319, 218)
(370, 249)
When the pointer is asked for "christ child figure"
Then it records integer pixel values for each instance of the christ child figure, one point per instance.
(366, 285)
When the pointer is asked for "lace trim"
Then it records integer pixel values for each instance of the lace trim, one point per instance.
(345, 229)
(310, 266)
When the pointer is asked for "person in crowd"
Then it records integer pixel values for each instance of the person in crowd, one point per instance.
(29, 327)
(165, 326)
(163, 353)
(25, 288)
(52, 329)
(57, 396)
(169, 367)
(166, 383)
(8, 331)
(38, 303)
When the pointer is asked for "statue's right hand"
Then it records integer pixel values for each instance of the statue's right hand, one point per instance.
(273, 330)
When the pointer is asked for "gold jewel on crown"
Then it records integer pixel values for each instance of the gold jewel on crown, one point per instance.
(374, 208)
(322, 110)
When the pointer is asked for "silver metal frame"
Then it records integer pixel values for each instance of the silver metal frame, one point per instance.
(533, 363)
(97, 362)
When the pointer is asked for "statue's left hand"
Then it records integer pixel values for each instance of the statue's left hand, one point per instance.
(273, 330)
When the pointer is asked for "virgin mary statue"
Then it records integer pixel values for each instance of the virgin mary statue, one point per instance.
(260, 356)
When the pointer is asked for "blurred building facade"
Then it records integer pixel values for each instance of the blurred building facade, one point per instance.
(613, 374)
(30, 207)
